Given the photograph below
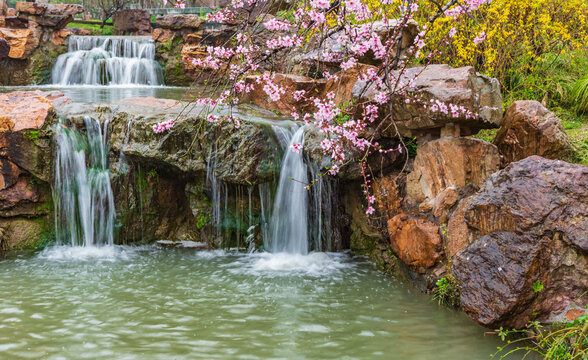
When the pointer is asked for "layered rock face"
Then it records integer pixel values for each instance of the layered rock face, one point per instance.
(530, 223)
(530, 129)
(34, 37)
(26, 166)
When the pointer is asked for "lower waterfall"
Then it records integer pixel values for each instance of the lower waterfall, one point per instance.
(82, 195)
(289, 221)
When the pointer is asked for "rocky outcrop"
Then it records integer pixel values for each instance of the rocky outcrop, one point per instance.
(26, 166)
(55, 16)
(450, 162)
(528, 128)
(34, 37)
(132, 22)
(22, 42)
(530, 222)
(463, 87)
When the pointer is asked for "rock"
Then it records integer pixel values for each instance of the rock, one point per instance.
(162, 35)
(3, 8)
(32, 8)
(11, 12)
(184, 244)
(448, 162)
(249, 153)
(179, 21)
(4, 48)
(14, 22)
(22, 42)
(26, 109)
(387, 192)
(80, 31)
(59, 36)
(443, 203)
(9, 174)
(534, 195)
(22, 232)
(286, 103)
(63, 9)
(530, 222)
(497, 272)
(528, 128)
(477, 93)
(415, 240)
(150, 101)
(132, 22)
(332, 47)
(457, 238)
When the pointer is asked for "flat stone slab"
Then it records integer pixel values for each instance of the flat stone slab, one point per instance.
(183, 244)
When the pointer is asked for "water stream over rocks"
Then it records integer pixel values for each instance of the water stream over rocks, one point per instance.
(108, 60)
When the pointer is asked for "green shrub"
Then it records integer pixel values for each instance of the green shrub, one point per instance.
(446, 291)
(580, 95)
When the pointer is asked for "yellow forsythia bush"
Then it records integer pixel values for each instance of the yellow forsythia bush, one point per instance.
(518, 34)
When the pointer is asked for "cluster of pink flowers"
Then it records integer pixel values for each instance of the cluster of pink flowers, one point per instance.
(466, 6)
(162, 126)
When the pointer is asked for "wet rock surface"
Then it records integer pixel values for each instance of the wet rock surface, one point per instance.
(26, 166)
(530, 222)
(530, 129)
(450, 162)
(415, 240)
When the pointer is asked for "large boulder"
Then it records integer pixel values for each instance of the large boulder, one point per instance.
(528, 128)
(448, 162)
(22, 42)
(132, 22)
(415, 240)
(530, 222)
(479, 96)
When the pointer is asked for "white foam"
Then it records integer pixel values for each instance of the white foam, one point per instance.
(316, 263)
(84, 253)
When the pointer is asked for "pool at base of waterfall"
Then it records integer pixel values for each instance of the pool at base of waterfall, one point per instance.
(118, 302)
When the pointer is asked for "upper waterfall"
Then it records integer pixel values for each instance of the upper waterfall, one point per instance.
(108, 60)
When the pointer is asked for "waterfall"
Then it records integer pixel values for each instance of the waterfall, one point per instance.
(82, 195)
(289, 220)
(108, 60)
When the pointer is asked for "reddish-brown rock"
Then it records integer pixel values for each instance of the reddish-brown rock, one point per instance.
(443, 203)
(415, 240)
(32, 8)
(3, 8)
(14, 22)
(22, 42)
(387, 193)
(162, 35)
(179, 21)
(528, 128)
(530, 222)
(448, 162)
(132, 22)
(22, 110)
(58, 36)
(286, 102)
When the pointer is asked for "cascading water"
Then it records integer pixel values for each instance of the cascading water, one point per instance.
(289, 222)
(83, 198)
(108, 60)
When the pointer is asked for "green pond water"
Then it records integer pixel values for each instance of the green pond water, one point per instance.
(147, 303)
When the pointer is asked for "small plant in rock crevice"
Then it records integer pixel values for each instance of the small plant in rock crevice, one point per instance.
(446, 291)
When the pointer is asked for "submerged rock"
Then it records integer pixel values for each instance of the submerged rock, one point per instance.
(528, 128)
(530, 222)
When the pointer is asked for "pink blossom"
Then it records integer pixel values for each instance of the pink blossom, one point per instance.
(296, 147)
